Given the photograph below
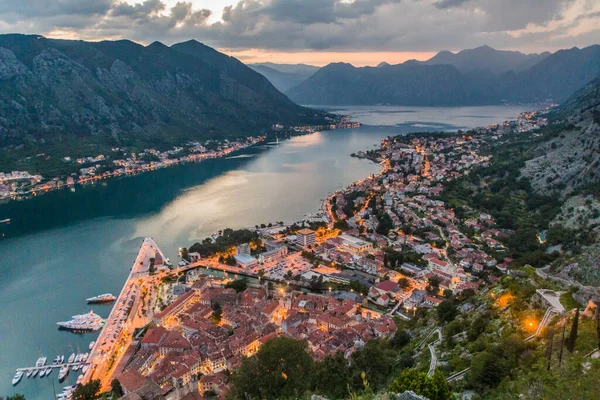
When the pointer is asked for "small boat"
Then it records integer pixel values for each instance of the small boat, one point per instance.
(29, 373)
(5, 221)
(75, 367)
(49, 371)
(35, 372)
(42, 373)
(62, 374)
(78, 358)
(80, 379)
(56, 360)
(92, 344)
(85, 356)
(71, 358)
(62, 359)
(41, 362)
(85, 368)
(17, 378)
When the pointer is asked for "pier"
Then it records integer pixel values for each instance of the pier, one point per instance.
(70, 365)
(117, 333)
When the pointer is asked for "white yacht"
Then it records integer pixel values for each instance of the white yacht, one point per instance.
(62, 374)
(17, 377)
(41, 362)
(71, 358)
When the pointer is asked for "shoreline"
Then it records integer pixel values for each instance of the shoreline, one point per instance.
(56, 183)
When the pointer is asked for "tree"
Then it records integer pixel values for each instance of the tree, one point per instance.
(17, 396)
(116, 388)
(486, 371)
(239, 285)
(434, 284)
(89, 391)
(217, 315)
(331, 376)
(376, 360)
(281, 369)
(447, 311)
(400, 339)
(572, 339)
(433, 388)
(403, 283)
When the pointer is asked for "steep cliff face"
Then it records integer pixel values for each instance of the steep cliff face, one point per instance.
(123, 93)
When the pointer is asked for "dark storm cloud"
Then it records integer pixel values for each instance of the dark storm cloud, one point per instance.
(340, 25)
(36, 8)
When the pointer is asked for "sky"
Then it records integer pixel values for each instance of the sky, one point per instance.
(362, 32)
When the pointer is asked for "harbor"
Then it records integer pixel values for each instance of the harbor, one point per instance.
(129, 312)
(71, 246)
(41, 369)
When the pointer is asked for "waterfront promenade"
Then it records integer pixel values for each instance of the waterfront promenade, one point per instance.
(117, 334)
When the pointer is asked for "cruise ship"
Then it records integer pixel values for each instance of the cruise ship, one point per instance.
(103, 298)
(83, 323)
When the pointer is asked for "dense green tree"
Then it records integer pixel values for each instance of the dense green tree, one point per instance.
(486, 371)
(89, 391)
(434, 388)
(239, 285)
(447, 310)
(17, 396)
(400, 339)
(116, 388)
(281, 369)
(377, 361)
(331, 376)
(477, 327)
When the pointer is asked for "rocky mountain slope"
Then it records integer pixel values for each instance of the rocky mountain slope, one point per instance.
(56, 93)
(571, 159)
(476, 77)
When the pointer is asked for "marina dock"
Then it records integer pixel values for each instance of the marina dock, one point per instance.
(70, 365)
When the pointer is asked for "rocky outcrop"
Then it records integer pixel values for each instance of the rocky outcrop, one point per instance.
(570, 159)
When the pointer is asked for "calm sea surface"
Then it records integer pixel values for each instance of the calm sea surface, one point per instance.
(64, 246)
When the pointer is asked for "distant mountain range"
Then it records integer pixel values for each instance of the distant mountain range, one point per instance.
(486, 59)
(284, 76)
(76, 94)
(481, 76)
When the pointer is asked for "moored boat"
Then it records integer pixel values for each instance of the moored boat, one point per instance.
(83, 323)
(29, 373)
(17, 378)
(62, 374)
(103, 298)
(41, 362)
(48, 371)
(92, 344)
(71, 358)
